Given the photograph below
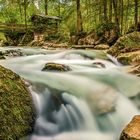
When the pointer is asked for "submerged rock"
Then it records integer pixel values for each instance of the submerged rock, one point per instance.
(1, 56)
(16, 107)
(132, 130)
(99, 65)
(56, 67)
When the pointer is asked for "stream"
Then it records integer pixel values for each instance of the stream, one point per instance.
(93, 101)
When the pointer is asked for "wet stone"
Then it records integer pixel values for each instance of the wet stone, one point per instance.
(56, 67)
(132, 130)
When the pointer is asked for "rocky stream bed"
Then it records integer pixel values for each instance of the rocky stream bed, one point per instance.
(17, 109)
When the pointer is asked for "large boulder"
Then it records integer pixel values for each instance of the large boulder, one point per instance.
(17, 112)
(127, 51)
(132, 130)
(127, 43)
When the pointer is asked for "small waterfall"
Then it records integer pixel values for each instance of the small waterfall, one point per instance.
(67, 118)
(114, 60)
(91, 102)
(79, 112)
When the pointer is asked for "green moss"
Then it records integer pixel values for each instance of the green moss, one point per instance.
(127, 43)
(129, 58)
(2, 37)
(101, 28)
(16, 108)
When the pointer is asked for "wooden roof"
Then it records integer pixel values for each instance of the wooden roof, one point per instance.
(44, 16)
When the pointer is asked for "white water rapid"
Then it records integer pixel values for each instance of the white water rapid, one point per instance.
(90, 102)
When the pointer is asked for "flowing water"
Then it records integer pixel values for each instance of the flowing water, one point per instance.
(93, 101)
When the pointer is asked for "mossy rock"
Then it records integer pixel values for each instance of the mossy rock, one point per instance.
(127, 43)
(129, 58)
(56, 67)
(17, 112)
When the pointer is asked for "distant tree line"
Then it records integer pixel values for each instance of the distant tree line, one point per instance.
(77, 15)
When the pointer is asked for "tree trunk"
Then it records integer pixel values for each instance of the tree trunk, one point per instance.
(110, 11)
(100, 12)
(121, 15)
(116, 15)
(79, 18)
(20, 9)
(25, 13)
(46, 7)
(105, 11)
(126, 16)
(136, 13)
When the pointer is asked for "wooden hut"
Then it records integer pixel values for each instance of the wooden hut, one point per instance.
(44, 25)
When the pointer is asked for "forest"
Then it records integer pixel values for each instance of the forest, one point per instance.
(78, 17)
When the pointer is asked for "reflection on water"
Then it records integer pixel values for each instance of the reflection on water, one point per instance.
(91, 102)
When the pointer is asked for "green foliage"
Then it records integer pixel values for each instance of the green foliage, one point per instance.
(128, 43)
(13, 11)
(133, 28)
(52, 37)
(101, 28)
(2, 37)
